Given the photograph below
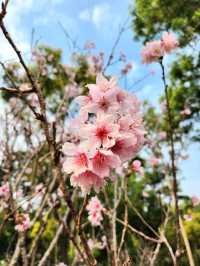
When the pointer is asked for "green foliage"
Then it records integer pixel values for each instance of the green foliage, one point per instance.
(150, 17)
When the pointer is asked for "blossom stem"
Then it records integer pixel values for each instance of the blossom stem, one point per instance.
(172, 155)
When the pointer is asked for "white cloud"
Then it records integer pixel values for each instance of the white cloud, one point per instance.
(18, 27)
(98, 15)
(13, 22)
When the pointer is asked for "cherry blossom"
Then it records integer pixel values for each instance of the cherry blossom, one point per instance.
(89, 45)
(169, 42)
(154, 161)
(110, 130)
(152, 52)
(95, 209)
(195, 201)
(136, 166)
(186, 112)
(77, 160)
(187, 217)
(5, 190)
(155, 50)
(103, 161)
(86, 181)
(22, 222)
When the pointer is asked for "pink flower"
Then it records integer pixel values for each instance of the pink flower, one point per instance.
(95, 218)
(77, 160)
(195, 201)
(169, 42)
(154, 161)
(126, 69)
(145, 194)
(94, 205)
(103, 161)
(95, 209)
(22, 222)
(102, 84)
(5, 190)
(103, 132)
(89, 45)
(162, 135)
(152, 52)
(124, 147)
(136, 166)
(86, 181)
(186, 111)
(187, 217)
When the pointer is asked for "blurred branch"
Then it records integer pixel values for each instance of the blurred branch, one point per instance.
(111, 56)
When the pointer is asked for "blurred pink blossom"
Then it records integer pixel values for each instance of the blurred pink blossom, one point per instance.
(187, 217)
(89, 45)
(154, 161)
(22, 222)
(155, 50)
(186, 111)
(152, 52)
(169, 42)
(136, 166)
(95, 209)
(5, 190)
(195, 201)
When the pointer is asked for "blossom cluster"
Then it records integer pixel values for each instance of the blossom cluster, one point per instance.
(110, 132)
(95, 209)
(156, 49)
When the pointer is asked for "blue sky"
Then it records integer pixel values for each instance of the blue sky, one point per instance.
(98, 21)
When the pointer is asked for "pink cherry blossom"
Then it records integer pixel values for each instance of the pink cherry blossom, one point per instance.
(77, 160)
(152, 52)
(187, 217)
(95, 209)
(155, 50)
(5, 190)
(86, 181)
(22, 222)
(195, 201)
(145, 194)
(169, 42)
(186, 111)
(154, 161)
(94, 205)
(102, 84)
(126, 69)
(89, 45)
(124, 147)
(136, 166)
(103, 161)
(162, 135)
(95, 218)
(103, 132)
